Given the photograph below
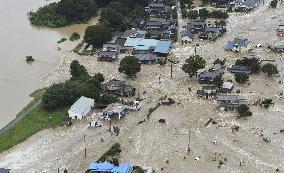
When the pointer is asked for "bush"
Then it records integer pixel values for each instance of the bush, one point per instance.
(193, 64)
(219, 61)
(266, 103)
(112, 152)
(243, 111)
(218, 14)
(74, 36)
(62, 40)
(241, 77)
(29, 59)
(273, 3)
(270, 69)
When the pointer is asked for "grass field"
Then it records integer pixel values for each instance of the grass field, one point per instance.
(37, 120)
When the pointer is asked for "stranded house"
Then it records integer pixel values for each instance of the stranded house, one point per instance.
(118, 87)
(81, 108)
(231, 101)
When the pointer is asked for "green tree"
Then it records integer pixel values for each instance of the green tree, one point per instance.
(241, 77)
(129, 65)
(97, 35)
(74, 36)
(270, 69)
(219, 61)
(218, 81)
(244, 111)
(99, 77)
(192, 14)
(266, 103)
(273, 3)
(78, 71)
(193, 64)
(203, 13)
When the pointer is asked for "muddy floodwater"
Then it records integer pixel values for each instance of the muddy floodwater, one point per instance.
(20, 39)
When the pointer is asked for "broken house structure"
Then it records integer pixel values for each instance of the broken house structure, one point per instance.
(119, 110)
(207, 77)
(207, 90)
(278, 48)
(106, 167)
(244, 5)
(238, 45)
(81, 108)
(119, 87)
(280, 29)
(227, 87)
(231, 101)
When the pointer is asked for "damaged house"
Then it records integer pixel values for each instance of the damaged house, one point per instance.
(244, 5)
(238, 45)
(119, 87)
(231, 101)
(186, 36)
(207, 90)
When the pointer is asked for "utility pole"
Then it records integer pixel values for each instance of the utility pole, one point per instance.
(171, 69)
(188, 148)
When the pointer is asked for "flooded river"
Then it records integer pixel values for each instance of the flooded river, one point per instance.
(19, 39)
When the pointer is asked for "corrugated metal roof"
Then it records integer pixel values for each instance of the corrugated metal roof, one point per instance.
(163, 46)
(81, 105)
(109, 167)
(141, 44)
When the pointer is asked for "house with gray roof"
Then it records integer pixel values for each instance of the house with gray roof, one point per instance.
(231, 101)
(158, 9)
(240, 69)
(186, 36)
(238, 44)
(207, 90)
(147, 58)
(118, 87)
(157, 23)
(207, 77)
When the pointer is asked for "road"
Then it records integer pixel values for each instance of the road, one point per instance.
(179, 18)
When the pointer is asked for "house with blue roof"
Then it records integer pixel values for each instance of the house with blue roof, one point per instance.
(106, 167)
(163, 47)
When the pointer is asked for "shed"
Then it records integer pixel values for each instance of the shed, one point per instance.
(81, 108)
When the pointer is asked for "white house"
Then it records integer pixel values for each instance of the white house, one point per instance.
(81, 108)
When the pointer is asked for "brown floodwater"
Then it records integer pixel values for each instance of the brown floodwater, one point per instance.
(18, 39)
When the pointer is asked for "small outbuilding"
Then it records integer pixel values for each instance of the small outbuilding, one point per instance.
(81, 108)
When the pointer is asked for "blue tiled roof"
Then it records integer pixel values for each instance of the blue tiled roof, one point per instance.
(141, 44)
(163, 46)
(109, 167)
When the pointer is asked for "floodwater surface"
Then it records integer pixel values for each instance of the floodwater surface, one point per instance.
(20, 39)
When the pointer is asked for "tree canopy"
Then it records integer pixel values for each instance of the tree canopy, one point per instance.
(64, 12)
(129, 65)
(244, 111)
(270, 69)
(241, 77)
(193, 64)
(97, 35)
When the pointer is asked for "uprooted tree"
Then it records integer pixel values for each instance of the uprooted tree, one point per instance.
(193, 64)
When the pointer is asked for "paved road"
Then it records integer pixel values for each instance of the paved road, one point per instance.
(179, 18)
(19, 117)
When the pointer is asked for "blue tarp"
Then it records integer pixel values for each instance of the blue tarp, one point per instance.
(163, 46)
(109, 167)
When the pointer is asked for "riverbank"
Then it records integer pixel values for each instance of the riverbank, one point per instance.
(17, 78)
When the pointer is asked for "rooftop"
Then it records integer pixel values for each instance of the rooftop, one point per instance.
(163, 46)
(81, 104)
(141, 43)
(109, 167)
